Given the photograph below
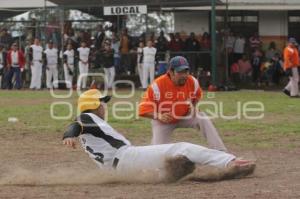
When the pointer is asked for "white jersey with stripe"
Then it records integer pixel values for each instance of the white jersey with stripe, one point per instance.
(36, 52)
(100, 140)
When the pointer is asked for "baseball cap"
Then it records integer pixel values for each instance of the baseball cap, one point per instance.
(91, 99)
(293, 41)
(179, 63)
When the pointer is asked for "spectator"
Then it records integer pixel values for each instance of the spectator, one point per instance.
(124, 49)
(2, 66)
(277, 68)
(256, 66)
(115, 45)
(239, 48)
(192, 44)
(255, 42)
(176, 44)
(235, 74)
(84, 53)
(245, 68)
(5, 38)
(229, 45)
(161, 46)
(35, 57)
(205, 46)
(152, 38)
(51, 66)
(149, 53)
(108, 64)
(140, 60)
(99, 37)
(69, 62)
(272, 50)
(15, 65)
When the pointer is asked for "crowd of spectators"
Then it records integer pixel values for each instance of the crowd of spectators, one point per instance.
(246, 59)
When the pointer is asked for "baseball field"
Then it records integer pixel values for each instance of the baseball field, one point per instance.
(259, 125)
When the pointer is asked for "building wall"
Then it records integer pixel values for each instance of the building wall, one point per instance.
(273, 26)
(186, 22)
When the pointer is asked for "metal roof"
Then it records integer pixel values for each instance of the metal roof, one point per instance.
(160, 3)
(9, 8)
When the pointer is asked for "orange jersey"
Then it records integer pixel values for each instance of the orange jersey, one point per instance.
(291, 57)
(163, 96)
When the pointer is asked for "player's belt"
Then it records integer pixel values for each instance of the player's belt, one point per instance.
(115, 163)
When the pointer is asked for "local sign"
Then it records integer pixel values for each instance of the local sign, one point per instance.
(125, 10)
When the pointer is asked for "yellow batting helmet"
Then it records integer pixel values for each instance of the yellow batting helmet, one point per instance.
(91, 99)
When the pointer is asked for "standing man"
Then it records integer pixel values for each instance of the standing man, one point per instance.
(115, 45)
(99, 37)
(35, 57)
(149, 53)
(111, 151)
(51, 66)
(291, 64)
(69, 62)
(170, 102)
(108, 65)
(124, 50)
(15, 65)
(192, 45)
(84, 53)
(2, 66)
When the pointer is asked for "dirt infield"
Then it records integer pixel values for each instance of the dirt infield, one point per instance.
(36, 165)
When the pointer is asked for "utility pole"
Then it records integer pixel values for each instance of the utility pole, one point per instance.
(213, 43)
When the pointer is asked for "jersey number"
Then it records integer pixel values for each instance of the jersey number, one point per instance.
(98, 156)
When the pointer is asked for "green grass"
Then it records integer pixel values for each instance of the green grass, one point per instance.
(280, 125)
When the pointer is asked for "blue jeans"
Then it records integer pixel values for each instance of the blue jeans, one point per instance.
(11, 72)
(117, 62)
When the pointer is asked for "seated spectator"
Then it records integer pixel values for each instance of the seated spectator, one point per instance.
(245, 68)
(272, 50)
(277, 69)
(235, 73)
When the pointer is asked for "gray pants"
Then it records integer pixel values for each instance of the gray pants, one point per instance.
(293, 83)
(162, 132)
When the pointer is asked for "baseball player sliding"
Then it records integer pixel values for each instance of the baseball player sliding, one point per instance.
(111, 150)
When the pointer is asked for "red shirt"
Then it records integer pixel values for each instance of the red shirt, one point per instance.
(21, 58)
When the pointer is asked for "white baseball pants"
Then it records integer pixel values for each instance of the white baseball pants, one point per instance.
(51, 72)
(83, 73)
(148, 71)
(292, 86)
(140, 72)
(135, 159)
(162, 132)
(109, 76)
(36, 75)
(68, 77)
